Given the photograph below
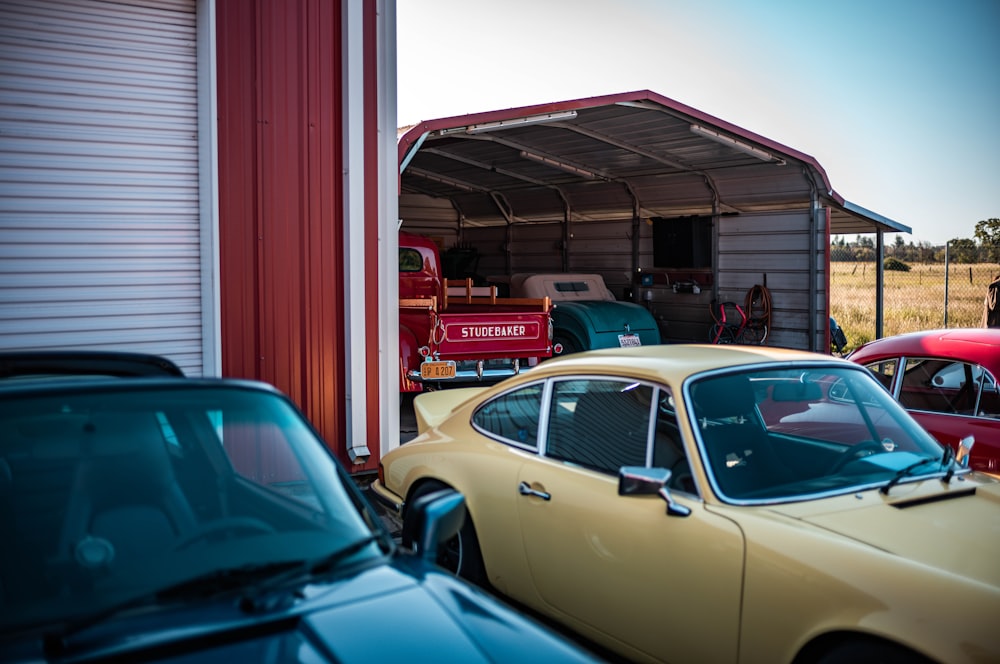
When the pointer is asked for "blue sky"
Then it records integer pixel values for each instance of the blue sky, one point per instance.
(898, 100)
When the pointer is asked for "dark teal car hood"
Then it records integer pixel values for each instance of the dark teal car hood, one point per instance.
(404, 611)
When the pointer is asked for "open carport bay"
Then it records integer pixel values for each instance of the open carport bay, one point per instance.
(673, 207)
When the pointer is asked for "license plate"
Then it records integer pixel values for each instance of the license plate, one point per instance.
(437, 370)
(627, 340)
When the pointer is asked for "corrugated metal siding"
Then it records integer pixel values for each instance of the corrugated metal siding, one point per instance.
(281, 201)
(490, 243)
(425, 215)
(774, 250)
(99, 217)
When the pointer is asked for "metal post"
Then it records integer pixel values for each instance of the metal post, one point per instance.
(947, 271)
(879, 282)
(814, 225)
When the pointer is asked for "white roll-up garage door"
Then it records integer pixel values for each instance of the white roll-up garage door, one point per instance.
(99, 212)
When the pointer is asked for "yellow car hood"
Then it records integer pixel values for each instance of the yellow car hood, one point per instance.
(954, 527)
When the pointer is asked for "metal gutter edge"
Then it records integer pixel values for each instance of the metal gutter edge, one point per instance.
(863, 213)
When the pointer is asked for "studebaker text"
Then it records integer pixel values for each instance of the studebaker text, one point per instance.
(493, 331)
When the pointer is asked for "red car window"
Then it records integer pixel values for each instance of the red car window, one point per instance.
(942, 386)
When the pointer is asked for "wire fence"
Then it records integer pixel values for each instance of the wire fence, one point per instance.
(924, 296)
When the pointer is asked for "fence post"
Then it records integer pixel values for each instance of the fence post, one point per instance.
(947, 272)
(879, 283)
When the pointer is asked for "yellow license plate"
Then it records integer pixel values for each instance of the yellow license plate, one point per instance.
(437, 370)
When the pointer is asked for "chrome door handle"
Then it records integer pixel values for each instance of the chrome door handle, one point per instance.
(526, 490)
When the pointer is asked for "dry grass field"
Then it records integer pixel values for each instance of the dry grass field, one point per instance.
(914, 300)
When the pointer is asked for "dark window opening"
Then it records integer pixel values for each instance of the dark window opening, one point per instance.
(682, 242)
(410, 260)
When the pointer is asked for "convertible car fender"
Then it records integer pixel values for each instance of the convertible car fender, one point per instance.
(597, 324)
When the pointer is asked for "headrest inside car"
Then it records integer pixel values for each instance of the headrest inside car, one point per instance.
(796, 391)
(724, 396)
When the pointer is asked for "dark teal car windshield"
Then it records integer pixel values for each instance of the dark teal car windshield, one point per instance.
(131, 487)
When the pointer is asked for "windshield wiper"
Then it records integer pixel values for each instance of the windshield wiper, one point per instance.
(904, 472)
(255, 581)
(225, 579)
(330, 562)
(255, 599)
(206, 585)
(258, 581)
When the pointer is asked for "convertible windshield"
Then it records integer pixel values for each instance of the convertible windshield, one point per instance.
(796, 433)
(129, 488)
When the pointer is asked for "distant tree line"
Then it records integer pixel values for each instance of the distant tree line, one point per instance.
(983, 247)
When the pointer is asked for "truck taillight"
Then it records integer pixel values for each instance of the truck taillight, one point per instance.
(424, 351)
(557, 349)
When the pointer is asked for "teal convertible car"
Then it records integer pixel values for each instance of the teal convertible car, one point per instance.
(586, 315)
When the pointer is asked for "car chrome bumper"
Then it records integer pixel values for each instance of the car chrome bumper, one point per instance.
(471, 375)
(387, 498)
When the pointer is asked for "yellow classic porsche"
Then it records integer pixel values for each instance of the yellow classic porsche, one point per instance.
(687, 503)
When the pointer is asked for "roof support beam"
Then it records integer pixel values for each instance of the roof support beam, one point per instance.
(451, 182)
(603, 138)
(636, 207)
(504, 207)
(486, 167)
(533, 150)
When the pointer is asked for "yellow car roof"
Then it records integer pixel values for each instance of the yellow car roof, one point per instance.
(674, 361)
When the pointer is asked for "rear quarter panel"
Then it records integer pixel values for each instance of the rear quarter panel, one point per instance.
(432, 408)
(485, 472)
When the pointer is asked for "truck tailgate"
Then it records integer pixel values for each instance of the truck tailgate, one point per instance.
(489, 335)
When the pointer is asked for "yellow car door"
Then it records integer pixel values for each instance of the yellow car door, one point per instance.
(619, 569)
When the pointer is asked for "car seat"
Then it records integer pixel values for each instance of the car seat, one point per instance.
(736, 443)
(610, 429)
(125, 502)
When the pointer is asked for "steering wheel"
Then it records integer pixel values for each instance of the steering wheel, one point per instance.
(858, 451)
(225, 525)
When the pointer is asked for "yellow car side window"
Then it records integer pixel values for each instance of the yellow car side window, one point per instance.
(513, 416)
(600, 424)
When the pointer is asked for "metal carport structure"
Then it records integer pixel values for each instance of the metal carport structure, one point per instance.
(578, 185)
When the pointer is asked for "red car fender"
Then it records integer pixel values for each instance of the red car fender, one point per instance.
(409, 358)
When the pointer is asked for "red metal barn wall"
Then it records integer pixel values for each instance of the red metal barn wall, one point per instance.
(281, 200)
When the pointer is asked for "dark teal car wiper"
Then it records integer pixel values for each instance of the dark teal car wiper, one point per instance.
(226, 579)
(254, 598)
(258, 581)
(199, 587)
(255, 583)
(904, 472)
(327, 563)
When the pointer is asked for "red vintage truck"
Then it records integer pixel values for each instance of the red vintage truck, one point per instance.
(451, 331)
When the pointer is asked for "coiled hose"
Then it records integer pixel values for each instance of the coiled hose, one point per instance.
(757, 306)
